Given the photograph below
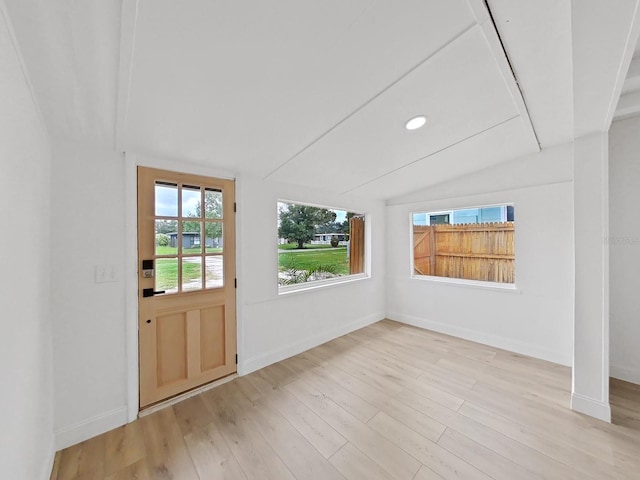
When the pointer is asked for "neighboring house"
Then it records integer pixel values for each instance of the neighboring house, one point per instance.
(191, 240)
(320, 238)
(503, 213)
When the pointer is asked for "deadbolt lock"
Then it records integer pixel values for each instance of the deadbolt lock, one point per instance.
(147, 269)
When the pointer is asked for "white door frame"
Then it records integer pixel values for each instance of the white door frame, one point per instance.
(131, 162)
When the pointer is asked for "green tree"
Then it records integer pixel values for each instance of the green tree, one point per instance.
(346, 225)
(298, 223)
(166, 226)
(162, 240)
(336, 227)
(212, 210)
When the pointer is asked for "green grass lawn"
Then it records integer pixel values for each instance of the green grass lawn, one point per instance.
(310, 246)
(167, 273)
(174, 250)
(312, 258)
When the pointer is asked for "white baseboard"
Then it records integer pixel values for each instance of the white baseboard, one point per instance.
(589, 406)
(485, 338)
(631, 375)
(260, 361)
(78, 432)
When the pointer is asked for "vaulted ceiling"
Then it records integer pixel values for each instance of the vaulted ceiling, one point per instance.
(314, 93)
(629, 103)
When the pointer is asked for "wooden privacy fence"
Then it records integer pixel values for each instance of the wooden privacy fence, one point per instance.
(481, 251)
(356, 245)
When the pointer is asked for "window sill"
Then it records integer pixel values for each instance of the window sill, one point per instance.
(459, 282)
(332, 282)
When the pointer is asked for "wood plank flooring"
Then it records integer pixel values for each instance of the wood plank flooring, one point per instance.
(388, 401)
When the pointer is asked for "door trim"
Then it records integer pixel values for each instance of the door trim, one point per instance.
(131, 163)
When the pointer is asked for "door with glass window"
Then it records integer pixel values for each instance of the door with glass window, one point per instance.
(186, 278)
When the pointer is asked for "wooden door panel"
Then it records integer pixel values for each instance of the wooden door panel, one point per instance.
(187, 335)
(171, 341)
(212, 334)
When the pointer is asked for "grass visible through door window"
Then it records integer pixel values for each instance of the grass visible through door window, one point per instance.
(167, 273)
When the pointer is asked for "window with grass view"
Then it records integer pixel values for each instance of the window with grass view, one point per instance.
(188, 238)
(469, 243)
(318, 244)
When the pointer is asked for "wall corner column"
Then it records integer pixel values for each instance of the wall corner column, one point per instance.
(590, 386)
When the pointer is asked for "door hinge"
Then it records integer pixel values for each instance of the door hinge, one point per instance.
(236, 358)
(235, 207)
(235, 282)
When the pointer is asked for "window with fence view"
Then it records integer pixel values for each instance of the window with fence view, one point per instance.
(318, 244)
(471, 244)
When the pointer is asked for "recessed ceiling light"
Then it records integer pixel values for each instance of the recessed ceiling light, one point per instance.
(415, 122)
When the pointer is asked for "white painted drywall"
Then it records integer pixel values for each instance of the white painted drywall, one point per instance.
(603, 40)
(88, 229)
(278, 326)
(590, 392)
(536, 320)
(72, 51)
(26, 416)
(624, 249)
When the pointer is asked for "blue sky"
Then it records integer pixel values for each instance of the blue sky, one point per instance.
(167, 201)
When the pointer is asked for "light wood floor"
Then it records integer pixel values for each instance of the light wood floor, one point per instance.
(386, 402)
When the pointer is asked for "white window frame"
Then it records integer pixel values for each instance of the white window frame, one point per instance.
(460, 282)
(346, 279)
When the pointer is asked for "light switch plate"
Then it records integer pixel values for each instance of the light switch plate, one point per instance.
(106, 273)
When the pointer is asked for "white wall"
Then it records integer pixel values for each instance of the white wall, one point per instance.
(26, 416)
(278, 326)
(590, 386)
(88, 229)
(538, 319)
(624, 248)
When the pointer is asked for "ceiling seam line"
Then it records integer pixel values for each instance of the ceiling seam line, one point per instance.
(124, 93)
(513, 72)
(502, 190)
(433, 153)
(367, 102)
(615, 99)
(15, 44)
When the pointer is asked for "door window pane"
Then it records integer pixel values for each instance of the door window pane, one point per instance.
(215, 271)
(191, 273)
(167, 274)
(166, 239)
(191, 201)
(192, 237)
(213, 203)
(166, 199)
(213, 240)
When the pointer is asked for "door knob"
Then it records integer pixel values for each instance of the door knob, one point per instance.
(149, 292)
